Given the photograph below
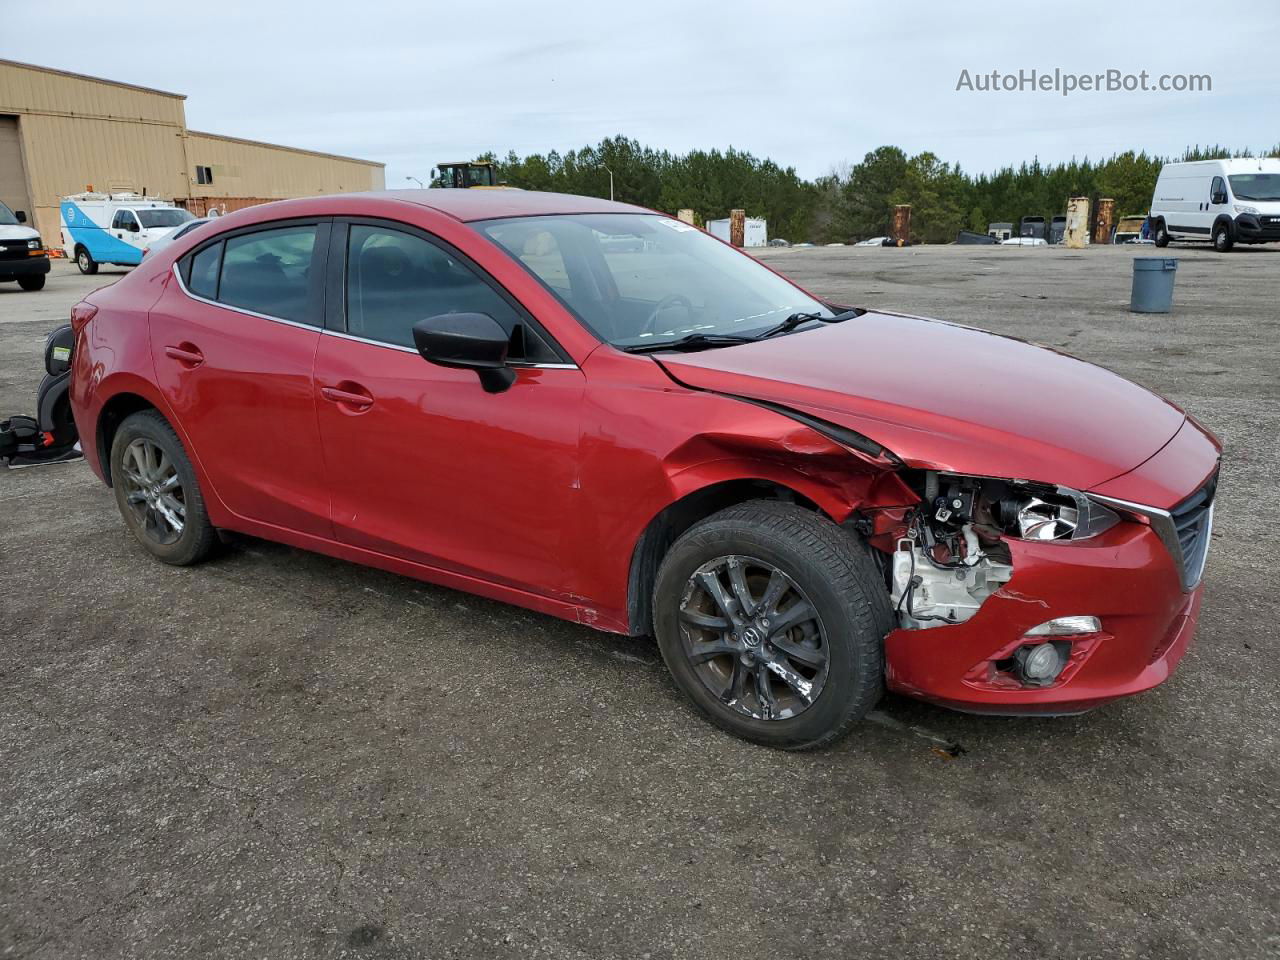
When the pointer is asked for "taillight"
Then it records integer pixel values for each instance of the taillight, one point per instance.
(81, 314)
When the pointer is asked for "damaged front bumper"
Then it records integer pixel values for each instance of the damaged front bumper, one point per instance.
(1126, 577)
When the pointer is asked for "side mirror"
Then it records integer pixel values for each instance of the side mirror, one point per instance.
(20, 216)
(1219, 197)
(471, 341)
(133, 226)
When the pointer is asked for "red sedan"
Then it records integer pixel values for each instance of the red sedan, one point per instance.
(601, 413)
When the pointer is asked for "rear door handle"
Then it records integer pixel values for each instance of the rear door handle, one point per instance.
(348, 395)
(187, 354)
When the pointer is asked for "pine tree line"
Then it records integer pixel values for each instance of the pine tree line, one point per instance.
(848, 204)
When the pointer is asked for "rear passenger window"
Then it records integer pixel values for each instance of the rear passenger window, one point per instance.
(204, 272)
(268, 272)
(395, 279)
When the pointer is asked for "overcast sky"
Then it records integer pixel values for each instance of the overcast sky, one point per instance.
(810, 84)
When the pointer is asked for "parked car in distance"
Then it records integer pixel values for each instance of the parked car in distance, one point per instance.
(163, 241)
(22, 254)
(1032, 228)
(799, 499)
(1223, 201)
(1130, 230)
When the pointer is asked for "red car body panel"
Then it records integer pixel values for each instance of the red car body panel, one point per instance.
(540, 496)
(246, 366)
(951, 398)
(1164, 479)
(446, 496)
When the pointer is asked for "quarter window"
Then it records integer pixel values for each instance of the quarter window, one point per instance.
(204, 272)
(395, 279)
(268, 272)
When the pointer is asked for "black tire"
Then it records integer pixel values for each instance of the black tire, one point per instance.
(197, 538)
(1162, 234)
(1222, 239)
(830, 568)
(32, 283)
(85, 261)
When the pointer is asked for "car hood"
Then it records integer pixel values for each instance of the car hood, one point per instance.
(948, 397)
(17, 232)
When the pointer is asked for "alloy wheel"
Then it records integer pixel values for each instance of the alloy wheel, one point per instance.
(753, 638)
(153, 491)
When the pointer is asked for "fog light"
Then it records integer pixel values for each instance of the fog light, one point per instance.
(1040, 665)
(1065, 627)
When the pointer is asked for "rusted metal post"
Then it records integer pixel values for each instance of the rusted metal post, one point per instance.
(1106, 213)
(900, 233)
(738, 227)
(686, 216)
(1077, 222)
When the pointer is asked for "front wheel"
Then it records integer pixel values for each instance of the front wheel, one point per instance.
(1222, 241)
(32, 283)
(85, 261)
(771, 620)
(156, 491)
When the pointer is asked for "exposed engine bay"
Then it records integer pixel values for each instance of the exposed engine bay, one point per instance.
(951, 553)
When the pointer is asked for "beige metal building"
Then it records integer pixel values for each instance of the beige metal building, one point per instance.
(62, 133)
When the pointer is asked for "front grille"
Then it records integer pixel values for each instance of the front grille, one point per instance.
(13, 249)
(1192, 528)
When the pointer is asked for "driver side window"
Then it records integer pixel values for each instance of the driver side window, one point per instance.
(395, 279)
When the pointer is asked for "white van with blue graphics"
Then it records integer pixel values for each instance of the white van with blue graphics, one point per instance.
(115, 228)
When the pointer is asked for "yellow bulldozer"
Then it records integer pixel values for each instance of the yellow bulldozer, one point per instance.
(466, 175)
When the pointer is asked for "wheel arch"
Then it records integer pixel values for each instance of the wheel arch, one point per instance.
(113, 413)
(676, 517)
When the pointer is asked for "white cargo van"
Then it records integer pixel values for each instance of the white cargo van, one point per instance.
(115, 227)
(1225, 201)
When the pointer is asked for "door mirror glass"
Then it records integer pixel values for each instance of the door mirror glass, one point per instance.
(20, 216)
(133, 226)
(471, 341)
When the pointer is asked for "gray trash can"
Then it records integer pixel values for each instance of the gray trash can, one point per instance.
(1153, 284)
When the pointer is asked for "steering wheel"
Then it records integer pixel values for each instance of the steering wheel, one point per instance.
(666, 303)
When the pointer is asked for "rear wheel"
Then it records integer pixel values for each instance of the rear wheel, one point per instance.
(32, 283)
(85, 261)
(771, 619)
(1162, 235)
(1222, 241)
(156, 491)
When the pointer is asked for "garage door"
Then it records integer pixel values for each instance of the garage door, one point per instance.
(13, 178)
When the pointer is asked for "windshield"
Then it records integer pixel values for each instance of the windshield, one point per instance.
(164, 217)
(7, 219)
(647, 279)
(1255, 186)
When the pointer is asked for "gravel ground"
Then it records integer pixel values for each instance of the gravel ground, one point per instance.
(281, 755)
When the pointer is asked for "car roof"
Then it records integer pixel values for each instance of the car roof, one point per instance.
(499, 202)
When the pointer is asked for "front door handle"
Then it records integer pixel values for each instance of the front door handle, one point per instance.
(187, 354)
(348, 395)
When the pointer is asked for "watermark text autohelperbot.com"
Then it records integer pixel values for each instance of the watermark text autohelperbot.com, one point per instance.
(1066, 83)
